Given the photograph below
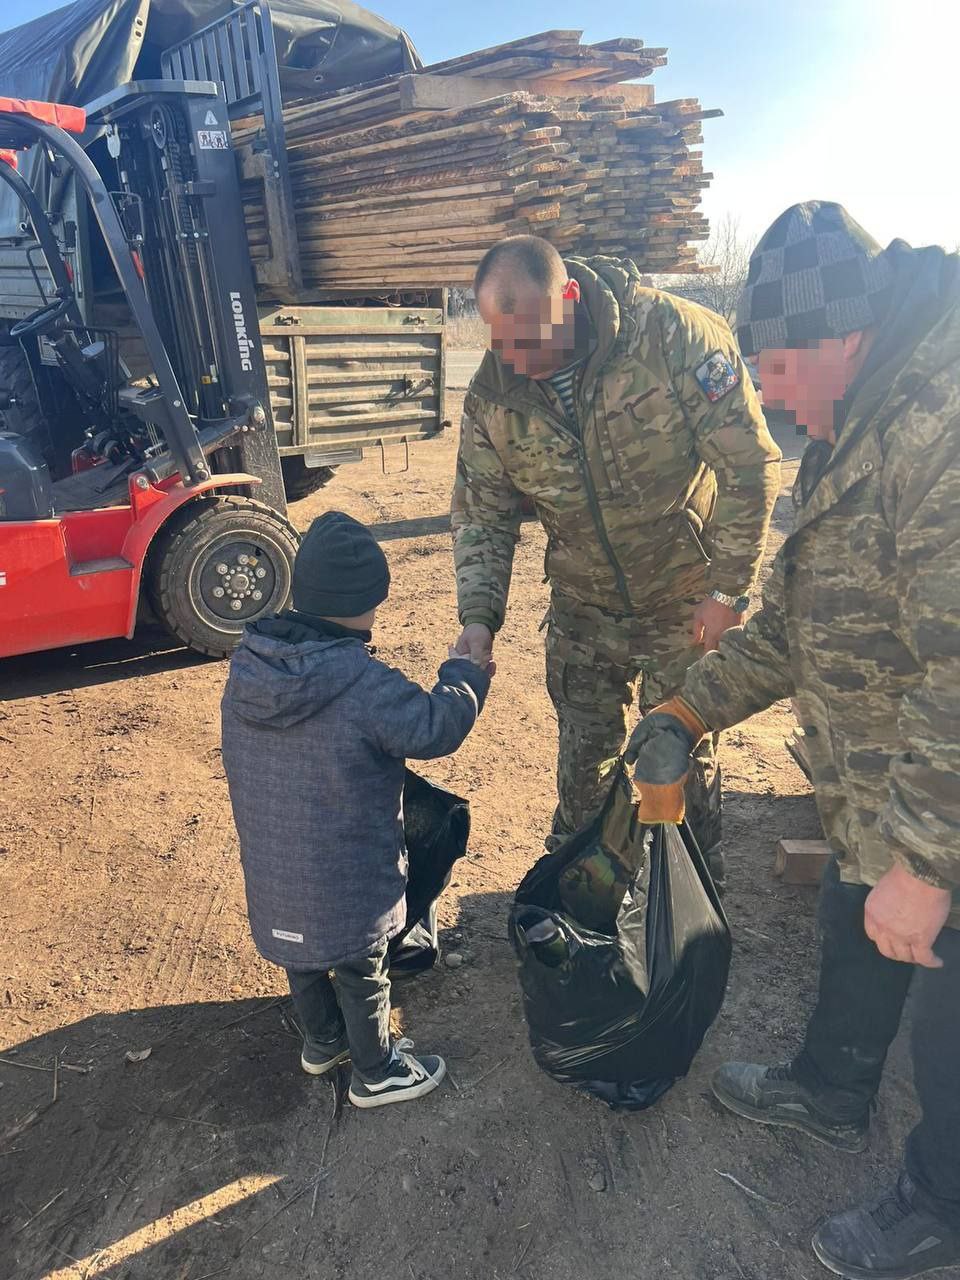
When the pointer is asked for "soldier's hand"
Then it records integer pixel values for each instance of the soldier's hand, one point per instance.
(454, 653)
(903, 916)
(710, 620)
(476, 643)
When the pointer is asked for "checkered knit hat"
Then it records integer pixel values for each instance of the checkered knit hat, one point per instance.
(815, 274)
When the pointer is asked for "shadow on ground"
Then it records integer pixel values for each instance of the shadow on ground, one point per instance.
(152, 650)
(215, 1156)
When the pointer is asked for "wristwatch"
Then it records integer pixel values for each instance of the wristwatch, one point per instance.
(739, 604)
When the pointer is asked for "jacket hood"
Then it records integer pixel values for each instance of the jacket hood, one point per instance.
(919, 337)
(284, 672)
(926, 290)
(608, 288)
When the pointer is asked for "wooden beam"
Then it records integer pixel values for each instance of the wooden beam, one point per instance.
(422, 92)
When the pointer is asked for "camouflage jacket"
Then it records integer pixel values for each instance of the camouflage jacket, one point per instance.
(861, 617)
(667, 490)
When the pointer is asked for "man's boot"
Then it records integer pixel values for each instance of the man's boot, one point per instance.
(772, 1096)
(889, 1239)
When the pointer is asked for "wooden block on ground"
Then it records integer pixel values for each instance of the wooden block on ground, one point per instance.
(801, 861)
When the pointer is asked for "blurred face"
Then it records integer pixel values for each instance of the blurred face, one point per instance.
(537, 337)
(811, 381)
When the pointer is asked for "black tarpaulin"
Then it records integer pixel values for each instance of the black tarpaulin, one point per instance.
(82, 51)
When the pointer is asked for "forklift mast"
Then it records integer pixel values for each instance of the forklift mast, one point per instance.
(238, 52)
(179, 203)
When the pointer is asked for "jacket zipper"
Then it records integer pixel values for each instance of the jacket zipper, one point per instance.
(595, 512)
(601, 529)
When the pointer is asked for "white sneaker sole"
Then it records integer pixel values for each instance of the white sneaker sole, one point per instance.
(400, 1095)
(322, 1068)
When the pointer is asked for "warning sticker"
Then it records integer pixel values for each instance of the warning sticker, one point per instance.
(212, 139)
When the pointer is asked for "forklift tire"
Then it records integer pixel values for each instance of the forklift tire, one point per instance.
(299, 480)
(219, 563)
(26, 417)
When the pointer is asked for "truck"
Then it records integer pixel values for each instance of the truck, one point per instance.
(349, 373)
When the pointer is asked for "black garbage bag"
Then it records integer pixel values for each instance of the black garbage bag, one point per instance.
(436, 825)
(624, 951)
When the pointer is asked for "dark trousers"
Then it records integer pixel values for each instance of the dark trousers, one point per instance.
(858, 1011)
(358, 1004)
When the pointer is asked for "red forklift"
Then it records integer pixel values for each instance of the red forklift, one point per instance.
(165, 490)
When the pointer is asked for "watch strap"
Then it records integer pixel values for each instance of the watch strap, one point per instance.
(738, 604)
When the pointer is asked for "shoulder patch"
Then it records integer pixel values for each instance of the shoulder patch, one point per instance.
(716, 376)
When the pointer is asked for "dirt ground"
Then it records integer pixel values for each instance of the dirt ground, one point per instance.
(123, 929)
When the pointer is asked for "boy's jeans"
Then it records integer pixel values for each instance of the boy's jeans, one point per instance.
(359, 1005)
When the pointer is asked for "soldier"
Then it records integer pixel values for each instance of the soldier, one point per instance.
(861, 624)
(627, 417)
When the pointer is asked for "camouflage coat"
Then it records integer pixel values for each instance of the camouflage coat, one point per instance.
(861, 617)
(667, 489)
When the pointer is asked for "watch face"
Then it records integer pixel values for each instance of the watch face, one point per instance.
(741, 604)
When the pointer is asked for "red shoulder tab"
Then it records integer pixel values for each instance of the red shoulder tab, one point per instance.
(73, 119)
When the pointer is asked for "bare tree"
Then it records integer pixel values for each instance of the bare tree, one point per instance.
(461, 302)
(728, 254)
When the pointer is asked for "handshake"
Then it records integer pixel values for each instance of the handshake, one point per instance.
(476, 644)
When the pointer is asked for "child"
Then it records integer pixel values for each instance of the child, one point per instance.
(315, 732)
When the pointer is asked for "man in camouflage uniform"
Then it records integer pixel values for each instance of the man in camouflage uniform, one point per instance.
(627, 417)
(861, 624)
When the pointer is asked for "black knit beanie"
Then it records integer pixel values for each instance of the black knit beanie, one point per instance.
(340, 570)
(815, 274)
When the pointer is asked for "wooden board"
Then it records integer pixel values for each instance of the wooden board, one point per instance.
(424, 92)
(801, 862)
(406, 182)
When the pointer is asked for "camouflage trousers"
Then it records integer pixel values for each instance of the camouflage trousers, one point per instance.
(597, 663)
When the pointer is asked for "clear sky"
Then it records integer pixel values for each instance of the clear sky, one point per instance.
(849, 100)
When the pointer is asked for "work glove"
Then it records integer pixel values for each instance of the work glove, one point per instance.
(660, 749)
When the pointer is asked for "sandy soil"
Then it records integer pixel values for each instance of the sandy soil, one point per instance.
(123, 929)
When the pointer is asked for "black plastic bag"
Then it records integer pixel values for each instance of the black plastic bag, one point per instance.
(624, 952)
(436, 825)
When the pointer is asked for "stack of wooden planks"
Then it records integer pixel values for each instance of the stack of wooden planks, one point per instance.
(405, 183)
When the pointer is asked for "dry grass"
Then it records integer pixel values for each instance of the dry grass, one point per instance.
(466, 333)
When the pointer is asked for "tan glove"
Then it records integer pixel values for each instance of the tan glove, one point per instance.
(660, 748)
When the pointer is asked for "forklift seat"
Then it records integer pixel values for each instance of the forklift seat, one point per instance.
(103, 486)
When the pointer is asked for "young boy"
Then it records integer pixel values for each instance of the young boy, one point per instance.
(315, 733)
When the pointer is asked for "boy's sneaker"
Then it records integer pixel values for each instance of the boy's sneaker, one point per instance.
(409, 1078)
(890, 1239)
(771, 1095)
(319, 1058)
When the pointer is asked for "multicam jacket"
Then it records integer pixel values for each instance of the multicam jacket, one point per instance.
(861, 618)
(666, 491)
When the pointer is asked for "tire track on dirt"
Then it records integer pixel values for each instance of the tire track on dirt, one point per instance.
(184, 926)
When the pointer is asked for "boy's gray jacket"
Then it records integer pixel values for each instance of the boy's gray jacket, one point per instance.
(315, 731)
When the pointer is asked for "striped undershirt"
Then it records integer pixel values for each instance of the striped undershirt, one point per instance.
(564, 383)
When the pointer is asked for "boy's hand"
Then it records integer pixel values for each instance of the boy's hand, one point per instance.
(490, 667)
